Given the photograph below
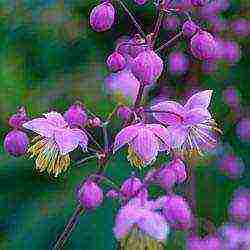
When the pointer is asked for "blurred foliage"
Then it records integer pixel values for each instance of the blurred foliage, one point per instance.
(50, 58)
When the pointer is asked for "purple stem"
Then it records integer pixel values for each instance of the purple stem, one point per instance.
(139, 96)
(165, 45)
(69, 227)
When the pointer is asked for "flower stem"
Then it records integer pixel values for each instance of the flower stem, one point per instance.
(139, 96)
(165, 45)
(136, 24)
(69, 227)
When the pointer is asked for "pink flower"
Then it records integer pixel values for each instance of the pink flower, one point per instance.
(191, 126)
(142, 216)
(144, 140)
(54, 142)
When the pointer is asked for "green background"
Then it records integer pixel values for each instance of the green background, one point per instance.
(50, 58)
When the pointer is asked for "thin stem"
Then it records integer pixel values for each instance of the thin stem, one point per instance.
(108, 180)
(105, 136)
(69, 227)
(93, 139)
(85, 160)
(165, 45)
(132, 18)
(139, 96)
(158, 25)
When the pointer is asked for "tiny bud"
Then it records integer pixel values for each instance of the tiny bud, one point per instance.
(90, 195)
(189, 28)
(124, 112)
(166, 178)
(102, 17)
(178, 63)
(76, 115)
(116, 62)
(113, 194)
(178, 167)
(147, 67)
(140, 2)
(178, 213)
(203, 45)
(18, 119)
(130, 187)
(16, 143)
(95, 122)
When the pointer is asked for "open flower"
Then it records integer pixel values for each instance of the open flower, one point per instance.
(138, 224)
(54, 142)
(191, 126)
(144, 140)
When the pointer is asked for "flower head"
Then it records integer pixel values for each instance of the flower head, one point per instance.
(54, 142)
(138, 224)
(189, 28)
(191, 126)
(16, 143)
(116, 62)
(144, 141)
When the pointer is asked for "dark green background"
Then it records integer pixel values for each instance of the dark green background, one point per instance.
(50, 58)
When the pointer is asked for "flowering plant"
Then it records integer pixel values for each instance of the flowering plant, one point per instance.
(184, 133)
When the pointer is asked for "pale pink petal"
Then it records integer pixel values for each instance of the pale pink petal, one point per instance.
(40, 126)
(126, 218)
(163, 134)
(172, 114)
(153, 224)
(200, 100)
(178, 135)
(126, 135)
(68, 140)
(56, 119)
(145, 145)
(197, 115)
(83, 138)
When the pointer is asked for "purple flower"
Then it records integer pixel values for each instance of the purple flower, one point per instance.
(131, 186)
(54, 142)
(191, 126)
(151, 227)
(189, 28)
(116, 62)
(199, 3)
(113, 194)
(144, 141)
(178, 63)
(124, 112)
(209, 242)
(102, 16)
(171, 23)
(16, 121)
(140, 2)
(241, 27)
(243, 129)
(147, 67)
(16, 143)
(90, 195)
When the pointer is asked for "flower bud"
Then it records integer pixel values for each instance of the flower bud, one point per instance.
(16, 143)
(130, 187)
(203, 45)
(76, 116)
(171, 23)
(189, 28)
(95, 122)
(166, 178)
(177, 212)
(178, 63)
(102, 17)
(147, 67)
(210, 242)
(90, 195)
(124, 112)
(18, 119)
(178, 167)
(140, 2)
(116, 62)
(113, 194)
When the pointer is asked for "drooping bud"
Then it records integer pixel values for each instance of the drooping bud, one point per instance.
(177, 212)
(76, 116)
(16, 143)
(130, 187)
(95, 122)
(113, 194)
(189, 28)
(90, 195)
(203, 45)
(140, 2)
(179, 168)
(124, 112)
(17, 120)
(116, 62)
(166, 178)
(147, 67)
(102, 17)
(171, 23)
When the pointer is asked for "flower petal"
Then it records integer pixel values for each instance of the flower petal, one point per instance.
(173, 112)
(56, 119)
(200, 100)
(69, 139)
(125, 136)
(83, 138)
(197, 115)
(178, 135)
(153, 224)
(163, 134)
(145, 145)
(40, 126)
